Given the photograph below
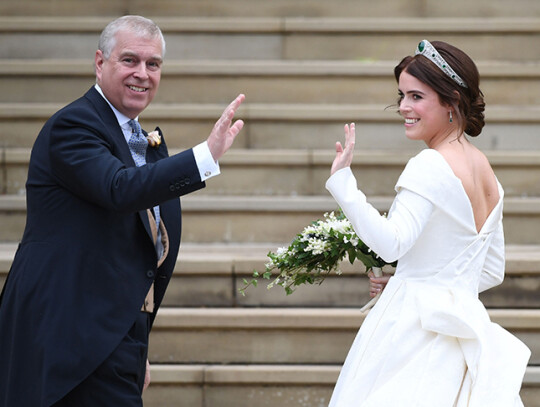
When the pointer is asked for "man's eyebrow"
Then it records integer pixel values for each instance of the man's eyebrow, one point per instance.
(134, 54)
(128, 54)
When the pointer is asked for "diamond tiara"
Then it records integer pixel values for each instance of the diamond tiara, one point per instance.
(426, 49)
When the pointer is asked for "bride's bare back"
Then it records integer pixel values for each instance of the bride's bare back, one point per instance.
(471, 166)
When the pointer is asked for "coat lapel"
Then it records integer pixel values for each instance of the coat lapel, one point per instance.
(118, 141)
(153, 154)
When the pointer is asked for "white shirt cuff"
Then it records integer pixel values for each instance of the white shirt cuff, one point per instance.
(208, 168)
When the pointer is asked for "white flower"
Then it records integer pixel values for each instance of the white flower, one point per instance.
(352, 240)
(317, 246)
(301, 260)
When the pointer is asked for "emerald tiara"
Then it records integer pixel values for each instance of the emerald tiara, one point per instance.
(426, 49)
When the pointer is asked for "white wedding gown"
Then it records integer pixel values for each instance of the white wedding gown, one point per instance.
(429, 342)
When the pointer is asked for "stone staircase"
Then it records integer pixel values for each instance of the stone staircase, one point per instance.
(306, 68)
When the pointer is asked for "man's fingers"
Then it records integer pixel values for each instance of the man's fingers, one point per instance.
(147, 376)
(230, 111)
(238, 101)
(225, 131)
(236, 127)
(224, 122)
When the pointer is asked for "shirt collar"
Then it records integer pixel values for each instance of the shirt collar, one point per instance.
(122, 118)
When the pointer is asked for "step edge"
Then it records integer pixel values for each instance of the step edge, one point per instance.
(170, 318)
(309, 68)
(267, 374)
(314, 157)
(284, 24)
(287, 112)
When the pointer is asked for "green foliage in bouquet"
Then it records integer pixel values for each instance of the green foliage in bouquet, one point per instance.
(314, 253)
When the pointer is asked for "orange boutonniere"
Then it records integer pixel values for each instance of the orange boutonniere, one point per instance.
(154, 139)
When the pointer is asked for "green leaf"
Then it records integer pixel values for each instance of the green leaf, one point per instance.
(352, 255)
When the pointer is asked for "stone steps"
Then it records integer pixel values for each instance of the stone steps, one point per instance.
(292, 354)
(278, 81)
(281, 172)
(210, 275)
(282, 335)
(275, 341)
(307, 68)
(290, 126)
(212, 385)
(287, 38)
(197, 353)
(234, 219)
(233, 8)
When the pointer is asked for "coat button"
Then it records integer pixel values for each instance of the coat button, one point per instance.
(150, 274)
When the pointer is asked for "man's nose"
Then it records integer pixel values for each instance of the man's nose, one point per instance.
(141, 71)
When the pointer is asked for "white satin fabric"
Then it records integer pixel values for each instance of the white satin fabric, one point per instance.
(429, 342)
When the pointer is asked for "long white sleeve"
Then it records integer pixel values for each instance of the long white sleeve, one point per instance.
(390, 237)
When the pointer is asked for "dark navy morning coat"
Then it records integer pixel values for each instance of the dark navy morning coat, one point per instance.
(86, 259)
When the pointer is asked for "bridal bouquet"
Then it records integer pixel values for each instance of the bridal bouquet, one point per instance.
(316, 252)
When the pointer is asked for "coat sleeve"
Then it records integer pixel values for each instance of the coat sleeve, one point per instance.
(85, 160)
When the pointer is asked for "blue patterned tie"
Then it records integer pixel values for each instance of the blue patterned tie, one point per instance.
(137, 145)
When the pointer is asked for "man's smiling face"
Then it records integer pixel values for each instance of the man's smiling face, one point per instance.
(130, 77)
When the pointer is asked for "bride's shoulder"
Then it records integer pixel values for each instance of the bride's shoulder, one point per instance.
(427, 174)
(427, 160)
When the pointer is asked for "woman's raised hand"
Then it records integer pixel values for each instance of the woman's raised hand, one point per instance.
(344, 156)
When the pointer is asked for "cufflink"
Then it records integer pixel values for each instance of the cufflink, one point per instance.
(207, 173)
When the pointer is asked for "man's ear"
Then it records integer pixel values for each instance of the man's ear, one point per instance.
(98, 63)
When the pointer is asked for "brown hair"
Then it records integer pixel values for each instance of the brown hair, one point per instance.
(468, 103)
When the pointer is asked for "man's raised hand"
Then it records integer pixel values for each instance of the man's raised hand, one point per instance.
(224, 132)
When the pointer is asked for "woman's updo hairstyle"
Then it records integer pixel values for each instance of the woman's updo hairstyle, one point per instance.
(468, 103)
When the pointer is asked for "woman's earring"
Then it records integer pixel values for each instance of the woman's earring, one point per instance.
(451, 119)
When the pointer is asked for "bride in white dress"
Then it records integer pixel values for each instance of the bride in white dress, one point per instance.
(429, 342)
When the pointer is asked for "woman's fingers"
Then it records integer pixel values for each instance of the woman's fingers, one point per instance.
(344, 155)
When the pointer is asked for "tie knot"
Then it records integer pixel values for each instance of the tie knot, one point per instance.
(135, 126)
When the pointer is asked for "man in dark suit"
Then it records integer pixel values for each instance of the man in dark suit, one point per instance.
(102, 235)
